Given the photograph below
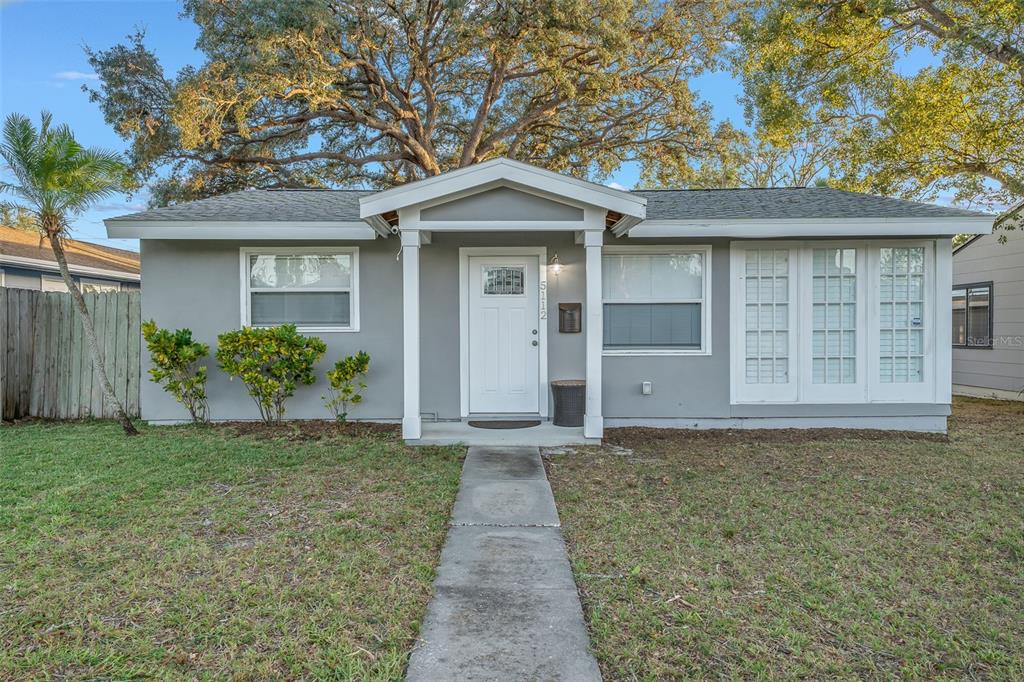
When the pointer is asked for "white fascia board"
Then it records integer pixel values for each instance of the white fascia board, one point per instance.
(499, 171)
(49, 265)
(827, 227)
(247, 230)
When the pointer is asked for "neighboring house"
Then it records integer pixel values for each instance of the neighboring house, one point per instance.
(988, 316)
(741, 308)
(27, 262)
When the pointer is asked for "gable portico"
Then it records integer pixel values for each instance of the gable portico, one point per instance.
(493, 198)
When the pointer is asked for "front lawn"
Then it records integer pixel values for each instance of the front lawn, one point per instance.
(204, 553)
(802, 555)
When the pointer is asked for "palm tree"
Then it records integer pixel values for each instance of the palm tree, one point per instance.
(57, 178)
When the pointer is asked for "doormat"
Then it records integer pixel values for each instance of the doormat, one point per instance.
(496, 424)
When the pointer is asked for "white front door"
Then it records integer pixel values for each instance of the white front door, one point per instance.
(504, 334)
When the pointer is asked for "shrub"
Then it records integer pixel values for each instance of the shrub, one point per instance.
(271, 362)
(176, 367)
(346, 383)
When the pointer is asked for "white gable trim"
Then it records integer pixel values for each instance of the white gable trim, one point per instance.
(812, 227)
(497, 172)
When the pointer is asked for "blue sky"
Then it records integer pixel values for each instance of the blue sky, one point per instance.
(43, 66)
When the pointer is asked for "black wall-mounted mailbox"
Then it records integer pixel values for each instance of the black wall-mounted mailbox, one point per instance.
(570, 318)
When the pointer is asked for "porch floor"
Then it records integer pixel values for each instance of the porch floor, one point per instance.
(544, 434)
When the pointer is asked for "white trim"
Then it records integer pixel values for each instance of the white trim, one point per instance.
(541, 254)
(502, 225)
(705, 300)
(943, 321)
(236, 229)
(813, 227)
(501, 170)
(593, 420)
(48, 265)
(245, 289)
(918, 423)
(412, 427)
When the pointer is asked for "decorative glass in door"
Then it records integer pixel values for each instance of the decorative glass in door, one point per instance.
(503, 280)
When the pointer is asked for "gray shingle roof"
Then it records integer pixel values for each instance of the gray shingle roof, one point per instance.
(699, 204)
(261, 204)
(786, 203)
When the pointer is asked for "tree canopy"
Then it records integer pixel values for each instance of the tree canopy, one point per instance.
(336, 92)
(846, 71)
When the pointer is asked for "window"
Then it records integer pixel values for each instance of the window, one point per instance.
(834, 321)
(767, 316)
(901, 315)
(504, 280)
(98, 286)
(834, 316)
(52, 283)
(314, 289)
(655, 300)
(972, 315)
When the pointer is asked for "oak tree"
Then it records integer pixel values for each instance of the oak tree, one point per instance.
(919, 96)
(341, 92)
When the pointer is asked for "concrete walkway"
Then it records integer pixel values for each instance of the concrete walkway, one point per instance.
(505, 606)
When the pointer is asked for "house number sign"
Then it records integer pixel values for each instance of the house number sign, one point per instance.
(543, 299)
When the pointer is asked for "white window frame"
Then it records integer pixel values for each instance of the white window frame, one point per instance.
(52, 283)
(833, 393)
(704, 300)
(923, 391)
(246, 289)
(868, 387)
(762, 393)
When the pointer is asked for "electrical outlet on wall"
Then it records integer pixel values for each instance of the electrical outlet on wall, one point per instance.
(646, 388)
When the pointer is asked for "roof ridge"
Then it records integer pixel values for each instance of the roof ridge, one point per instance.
(716, 189)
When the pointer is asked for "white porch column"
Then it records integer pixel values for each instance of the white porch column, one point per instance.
(593, 421)
(411, 334)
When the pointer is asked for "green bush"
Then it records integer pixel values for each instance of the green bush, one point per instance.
(271, 362)
(346, 383)
(176, 367)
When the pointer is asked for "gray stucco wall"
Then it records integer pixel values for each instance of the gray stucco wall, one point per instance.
(508, 203)
(196, 284)
(684, 385)
(986, 260)
(439, 317)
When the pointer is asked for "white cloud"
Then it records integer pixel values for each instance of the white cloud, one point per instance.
(76, 76)
(615, 185)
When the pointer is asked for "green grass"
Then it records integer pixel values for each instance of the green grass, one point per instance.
(198, 553)
(821, 556)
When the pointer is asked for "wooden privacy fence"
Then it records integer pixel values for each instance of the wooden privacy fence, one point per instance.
(46, 368)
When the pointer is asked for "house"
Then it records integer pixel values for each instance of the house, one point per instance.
(744, 308)
(27, 262)
(988, 315)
